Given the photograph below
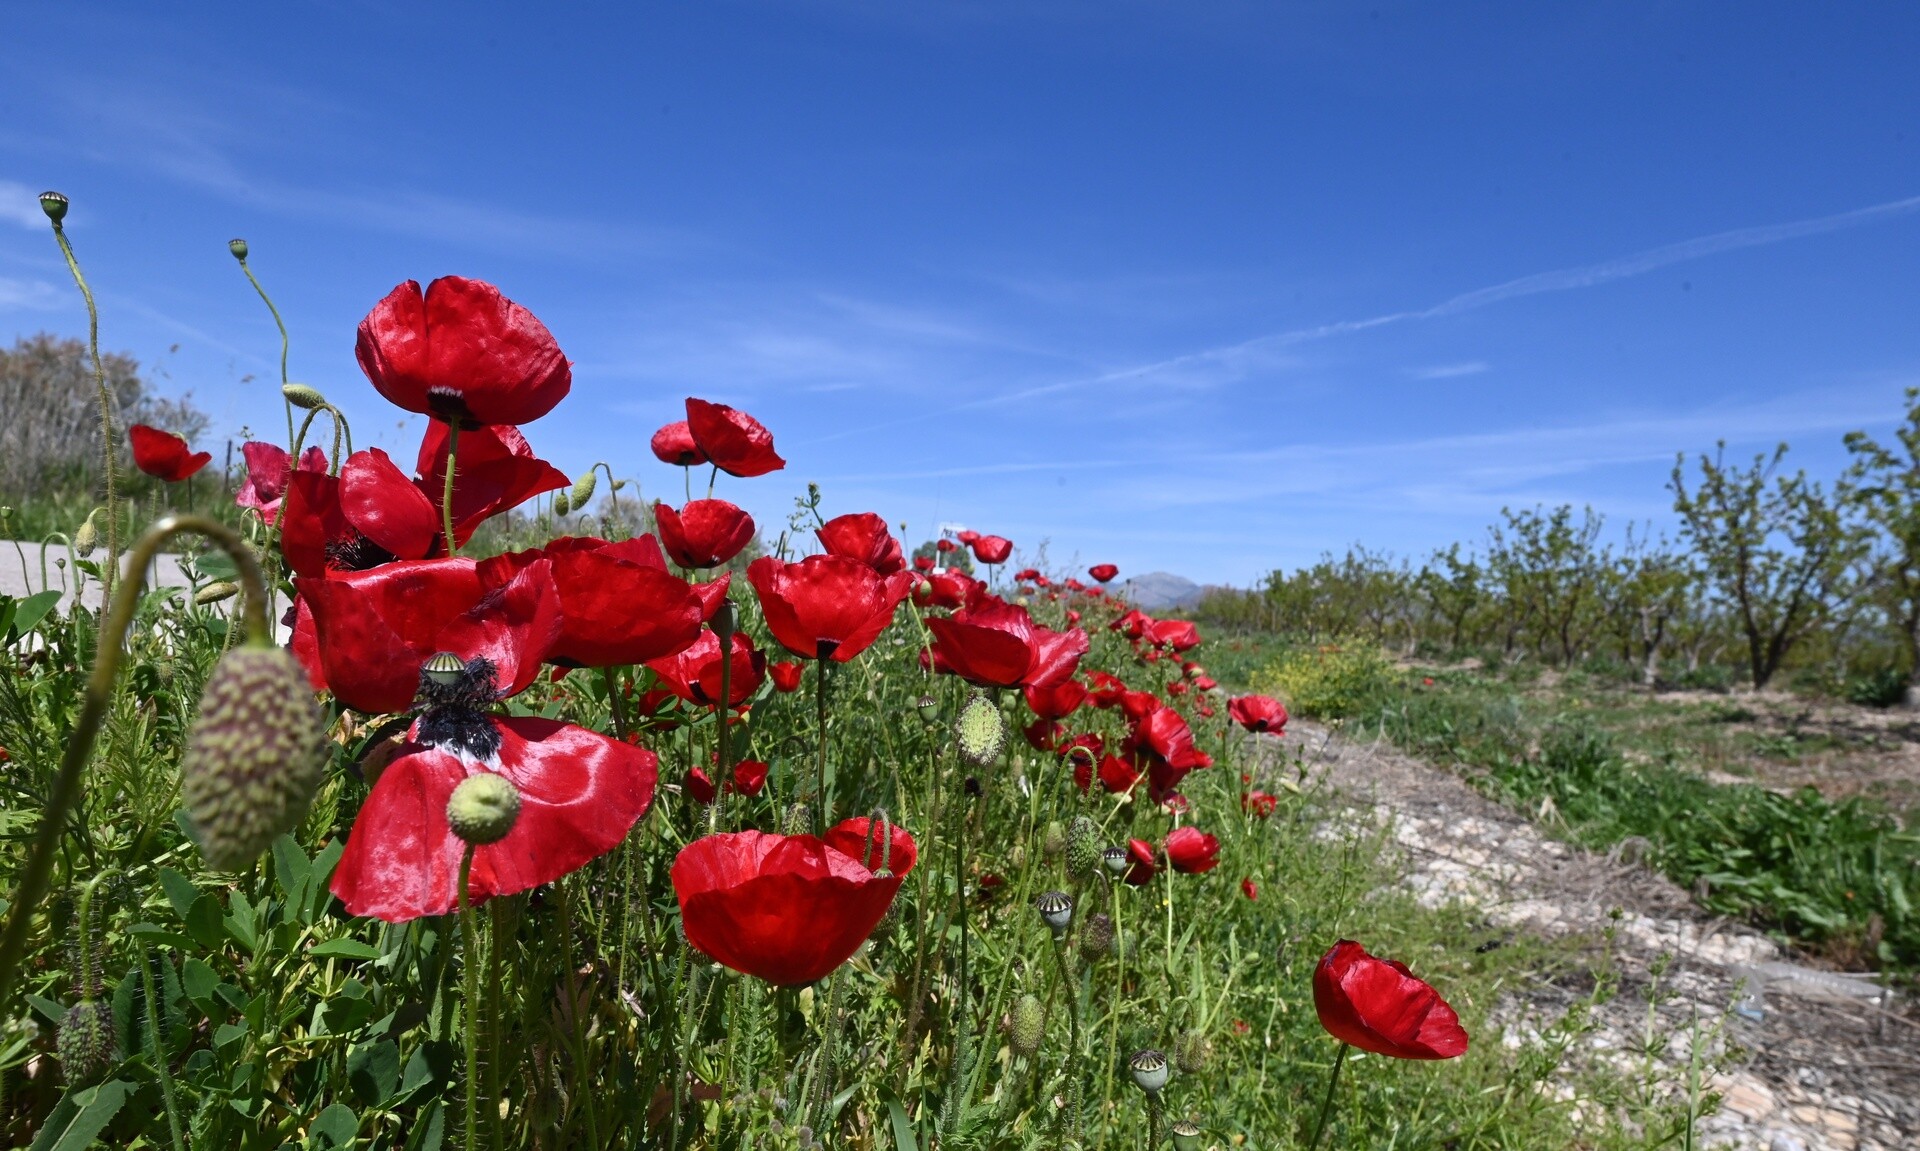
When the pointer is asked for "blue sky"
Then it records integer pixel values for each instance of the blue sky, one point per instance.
(1202, 288)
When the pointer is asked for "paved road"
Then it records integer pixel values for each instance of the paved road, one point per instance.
(20, 566)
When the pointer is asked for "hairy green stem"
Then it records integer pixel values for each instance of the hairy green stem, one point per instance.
(723, 629)
(106, 666)
(446, 488)
(470, 988)
(156, 1055)
(268, 301)
(108, 441)
(820, 720)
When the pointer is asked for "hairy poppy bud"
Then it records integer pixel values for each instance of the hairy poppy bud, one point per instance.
(88, 537)
(982, 733)
(797, 819)
(254, 757)
(1056, 908)
(1190, 1052)
(1083, 847)
(1053, 840)
(561, 505)
(1096, 936)
(1029, 1024)
(583, 489)
(619, 485)
(55, 206)
(215, 592)
(1186, 1135)
(929, 709)
(303, 397)
(1149, 1069)
(483, 808)
(87, 1043)
(238, 247)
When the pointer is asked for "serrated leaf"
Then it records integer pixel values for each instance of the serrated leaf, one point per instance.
(77, 1120)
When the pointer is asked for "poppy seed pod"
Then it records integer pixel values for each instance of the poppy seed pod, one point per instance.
(1083, 847)
(55, 206)
(238, 247)
(1149, 1069)
(929, 708)
(1115, 859)
(87, 1044)
(1186, 1135)
(981, 733)
(483, 808)
(303, 397)
(1028, 1026)
(254, 757)
(1056, 908)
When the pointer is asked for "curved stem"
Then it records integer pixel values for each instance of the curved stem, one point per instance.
(106, 666)
(446, 488)
(107, 439)
(268, 301)
(1326, 1105)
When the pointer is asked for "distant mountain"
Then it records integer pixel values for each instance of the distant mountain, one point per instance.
(1158, 591)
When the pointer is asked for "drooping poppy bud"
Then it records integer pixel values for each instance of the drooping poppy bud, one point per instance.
(88, 1043)
(1028, 1025)
(254, 757)
(1190, 1052)
(1083, 847)
(1097, 937)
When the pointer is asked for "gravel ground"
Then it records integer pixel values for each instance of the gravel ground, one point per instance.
(1805, 1060)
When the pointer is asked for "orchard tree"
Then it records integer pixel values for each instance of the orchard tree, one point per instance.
(1454, 589)
(1887, 486)
(1779, 549)
(1550, 568)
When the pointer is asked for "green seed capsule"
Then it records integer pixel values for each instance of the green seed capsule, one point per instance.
(1029, 1025)
(54, 205)
(484, 808)
(1149, 1070)
(982, 734)
(1186, 1135)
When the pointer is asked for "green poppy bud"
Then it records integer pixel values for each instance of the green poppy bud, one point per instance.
(55, 206)
(1096, 936)
(1029, 1025)
(1190, 1052)
(1053, 840)
(561, 506)
(88, 1043)
(303, 397)
(484, 808)
(982, 734)
(1083, 847)
(254, 757)
(215, 592)
(1149, 1069)
(87, 539)
(583, 489)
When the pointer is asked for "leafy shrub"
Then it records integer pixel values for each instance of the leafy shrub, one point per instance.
(1330, 681)
(1706, 677)
(1886, 687)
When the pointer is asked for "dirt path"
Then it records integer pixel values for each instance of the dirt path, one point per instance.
(1810, 1060)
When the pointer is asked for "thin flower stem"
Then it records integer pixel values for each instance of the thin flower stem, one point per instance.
(723, 629)
(268, 301)
(820, 720)
(110, 642)
(446, 488)
(108, 441)
(614, 702)
(155, 1054)
(497, 1018)
(1326, 1105)
(470, 988)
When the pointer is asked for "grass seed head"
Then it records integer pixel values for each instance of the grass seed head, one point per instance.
(254, 758)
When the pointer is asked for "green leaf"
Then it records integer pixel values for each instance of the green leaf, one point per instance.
(154, 933)
(199, 980)
(291, 869)
(81, 1115)
(428, 1136)
(244, 922)
(180, 890)
(217, 565)
(373, 1069)
(344, 949)
(28, 613)
(903, 1139)
(334, 1127)
(49, 1010)
(203, 922)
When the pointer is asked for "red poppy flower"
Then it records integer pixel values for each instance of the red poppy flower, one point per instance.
(1178, 634)
(993, 643)
(674, 444)
(1103, 572)
(580, 792)
(1258, 713)
(1249, 888)
(1044, 734)
(376, 629)
(1192, 851)
(826, 606)
(1258, 804)
(1205, 683)
(698, 786)
(268, 472)
(948, 588)
(1377, 1005)
(749, 776)
(945, 546)
(618, 603)
(923, 563)
(863, 536)
(734, 441)
(992, 549)
(496, 470)
(1059, 701)
(1177, 687)
(1140, 865)
(1173, 803)
(694, 674)
(1138, 705)
(1116, 775)
(1090, 745)
(788, 909)
(703, 533)
(163, 455)
(1029, 575)
(462, 351)
(785, 675)
(1133, 625)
